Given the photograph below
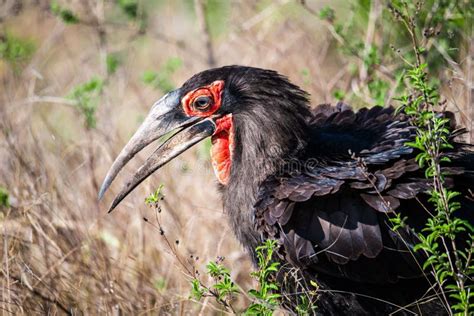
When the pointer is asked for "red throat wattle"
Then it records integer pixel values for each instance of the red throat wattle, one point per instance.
(222, 147)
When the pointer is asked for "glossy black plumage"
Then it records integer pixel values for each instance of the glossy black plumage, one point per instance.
(331, 212)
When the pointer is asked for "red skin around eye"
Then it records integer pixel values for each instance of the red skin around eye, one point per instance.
(214, 91)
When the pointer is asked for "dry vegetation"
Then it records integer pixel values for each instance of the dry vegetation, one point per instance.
(60, 251)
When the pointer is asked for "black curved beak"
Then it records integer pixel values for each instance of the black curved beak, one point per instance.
(166, 116)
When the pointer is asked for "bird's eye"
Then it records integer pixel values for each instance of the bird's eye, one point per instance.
(202, 102)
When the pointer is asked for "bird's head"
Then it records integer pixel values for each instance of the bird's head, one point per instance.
(236, 106)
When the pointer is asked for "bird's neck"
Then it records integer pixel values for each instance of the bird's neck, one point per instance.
(262, 145)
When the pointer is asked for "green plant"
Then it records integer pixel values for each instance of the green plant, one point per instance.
(134, 11)
(87, 97)
(4, 197)
(223, 284)
(266, 297)
(15, 50)
(223, 289)
(160, 285)
(129, 7)
(113, 61)
(306, 301)
(216, 14)
(327, 13)
(155, 197)
(339, 95)
(398, 221)
(448, 260)
(162, 79)
(65, 14)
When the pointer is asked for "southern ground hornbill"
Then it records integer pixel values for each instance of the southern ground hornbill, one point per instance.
(322, 181)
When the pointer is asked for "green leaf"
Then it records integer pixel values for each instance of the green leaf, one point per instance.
(162, 79)
(160, 284)
(197, 291)
(15, 50)
(129, 7)
(339, 94)
(87, 97)
(327, 13)
(155, 197)
(112, 61)
(217, 14)
(4, 197)
(65, 14)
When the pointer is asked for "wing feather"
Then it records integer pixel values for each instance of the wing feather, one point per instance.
(333, 216)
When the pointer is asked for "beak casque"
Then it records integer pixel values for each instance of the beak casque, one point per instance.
(165, 117)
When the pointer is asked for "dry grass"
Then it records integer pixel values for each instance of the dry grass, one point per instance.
(61, 252)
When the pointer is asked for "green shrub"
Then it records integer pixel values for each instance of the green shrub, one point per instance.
(113, 61)
(448, 260)
(15, 50)
(264, 300)
(4, 197)
(162, 79)
(65, 14)
(87, 96)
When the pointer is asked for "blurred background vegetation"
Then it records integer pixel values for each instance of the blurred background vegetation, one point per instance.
(77, 78)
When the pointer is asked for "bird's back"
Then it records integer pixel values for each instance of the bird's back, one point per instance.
(332, 213)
